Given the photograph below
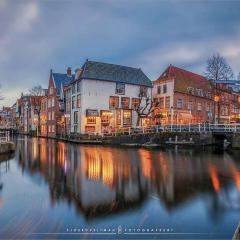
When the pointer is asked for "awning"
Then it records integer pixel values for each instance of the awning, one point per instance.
(185, 115)
(92, 113)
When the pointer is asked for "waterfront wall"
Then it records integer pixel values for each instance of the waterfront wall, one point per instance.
(161, 138)
(7, 147)
(236, 141)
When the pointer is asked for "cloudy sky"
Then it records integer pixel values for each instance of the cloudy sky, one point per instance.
(36, 36)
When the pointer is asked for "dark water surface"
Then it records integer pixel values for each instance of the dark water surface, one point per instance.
(52, 189)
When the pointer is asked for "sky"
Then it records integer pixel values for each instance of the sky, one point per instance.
(37, 36)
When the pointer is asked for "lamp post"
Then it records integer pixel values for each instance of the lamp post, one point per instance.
(171, 110)
(216, 100)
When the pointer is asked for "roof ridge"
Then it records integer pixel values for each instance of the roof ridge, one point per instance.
(187, 71)
(114, 64)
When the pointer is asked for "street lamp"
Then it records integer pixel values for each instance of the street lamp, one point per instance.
(216, 100)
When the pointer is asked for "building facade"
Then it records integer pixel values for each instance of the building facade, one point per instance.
(103, 97)
(55, 103)
(184, 97)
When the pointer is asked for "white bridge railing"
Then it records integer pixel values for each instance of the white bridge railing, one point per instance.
(4, 136)
(201, 127)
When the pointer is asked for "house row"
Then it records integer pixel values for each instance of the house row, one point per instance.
(102, 98)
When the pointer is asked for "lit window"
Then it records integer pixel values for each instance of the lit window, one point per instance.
(91, 120)
(120, 88)
(118, 117)
(127, 117)
(113, 102)
(135, 103)
(125, 102)
(75, 117)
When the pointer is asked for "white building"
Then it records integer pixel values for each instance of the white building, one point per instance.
(104, 95)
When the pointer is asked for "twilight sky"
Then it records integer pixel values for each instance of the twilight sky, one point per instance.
(36, 36)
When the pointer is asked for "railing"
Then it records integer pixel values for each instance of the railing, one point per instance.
(201, 127)
(4, 136)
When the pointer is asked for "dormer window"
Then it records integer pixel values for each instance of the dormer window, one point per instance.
(120, 88)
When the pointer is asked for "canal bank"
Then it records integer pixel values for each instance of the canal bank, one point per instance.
(160, 139)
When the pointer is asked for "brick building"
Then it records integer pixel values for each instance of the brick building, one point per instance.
(55, 102)
(184, 97)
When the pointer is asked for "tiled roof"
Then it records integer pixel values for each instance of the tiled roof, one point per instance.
(114, 73)
(61, 79)
(184, 79)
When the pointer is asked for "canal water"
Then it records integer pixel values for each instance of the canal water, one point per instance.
(52, 189)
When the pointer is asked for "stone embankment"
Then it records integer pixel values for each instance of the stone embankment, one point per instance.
(7, 147)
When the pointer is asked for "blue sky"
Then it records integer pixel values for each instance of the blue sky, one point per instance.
(39, 35)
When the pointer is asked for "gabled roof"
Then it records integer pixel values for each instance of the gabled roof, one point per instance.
(61, 79)
(184, 79)
(114, 73)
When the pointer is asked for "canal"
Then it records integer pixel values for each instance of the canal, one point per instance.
(52, 189)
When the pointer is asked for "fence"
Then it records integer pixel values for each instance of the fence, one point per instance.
(201, 127)
(4, 136)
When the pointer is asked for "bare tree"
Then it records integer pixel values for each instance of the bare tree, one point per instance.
(36, 91)
(145, 106)
(218, 69)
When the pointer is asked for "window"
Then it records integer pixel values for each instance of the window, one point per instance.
(199, 106)
(125, 102)
(51, 90)
(53, 102)
(165, 88)
(207, 107)
(52, 115)
(49, 103)
(167, 102)
(105, 116)
(78, 101)
(73, 88)
(135, 103)
(89, 129)
(190, 105)
(75, 117)
(120, 88)
(49, 116)
(161, 102)
(113, 102)
(118, 117)
(49, 128)
(143, 91)
(91, 120)
(158, 89)
(53, 128)
(73, 102)
(127, 117)
(179, 103)
(78, 86)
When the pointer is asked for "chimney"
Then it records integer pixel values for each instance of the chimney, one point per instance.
(69, 71)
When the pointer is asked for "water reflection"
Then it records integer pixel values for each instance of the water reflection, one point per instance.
(102, 180)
